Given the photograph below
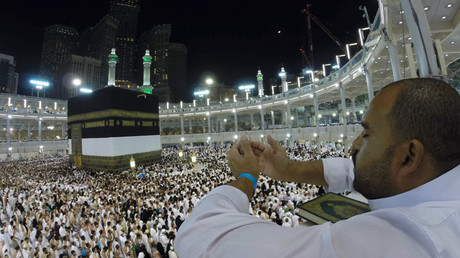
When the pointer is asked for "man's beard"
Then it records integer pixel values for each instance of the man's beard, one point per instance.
(373, 181)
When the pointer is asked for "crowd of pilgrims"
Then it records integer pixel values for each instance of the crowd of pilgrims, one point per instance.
(50, 208)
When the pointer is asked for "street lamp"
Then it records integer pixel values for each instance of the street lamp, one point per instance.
(209, 81)
(194, 161)
(324, 69)
(181, 154)
(39, 85)
(76, 82)
(132, 164)
(200, 94)
(247, 89)
(86, 90)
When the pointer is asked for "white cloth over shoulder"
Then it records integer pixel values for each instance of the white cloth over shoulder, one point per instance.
(423, 222)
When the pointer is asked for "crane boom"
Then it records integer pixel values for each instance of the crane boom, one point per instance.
(324, 28)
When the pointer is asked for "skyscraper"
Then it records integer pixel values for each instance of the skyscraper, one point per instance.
(86, 69)
(59, 42)
(126, 12)
(8, 76)
(177, 71)
(97, 41)
(169, 68)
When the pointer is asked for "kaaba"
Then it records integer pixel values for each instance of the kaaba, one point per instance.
(109, 126)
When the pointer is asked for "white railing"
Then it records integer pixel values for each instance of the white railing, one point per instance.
(33, 146)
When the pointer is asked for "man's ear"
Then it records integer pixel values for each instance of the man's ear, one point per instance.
(410, 155)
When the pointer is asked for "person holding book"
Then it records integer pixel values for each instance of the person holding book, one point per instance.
(406, 162)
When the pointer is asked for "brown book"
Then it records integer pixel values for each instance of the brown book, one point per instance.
(331, 207)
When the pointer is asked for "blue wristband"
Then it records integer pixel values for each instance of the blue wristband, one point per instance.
(253, 179)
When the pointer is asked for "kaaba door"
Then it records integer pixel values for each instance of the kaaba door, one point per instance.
(75, 130)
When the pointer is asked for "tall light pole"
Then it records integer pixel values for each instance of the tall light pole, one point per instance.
(247, 89)
(76, 82)
(39, 85)
(200, 94)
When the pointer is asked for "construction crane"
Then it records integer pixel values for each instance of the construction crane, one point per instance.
(310, 17)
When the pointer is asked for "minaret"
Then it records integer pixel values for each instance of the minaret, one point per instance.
(260, 83)
(147, 61)
(113, 59)
(283, 79)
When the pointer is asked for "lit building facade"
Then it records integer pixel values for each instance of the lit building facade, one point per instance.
(178, 71)
(59, 42)
(126, 12)
(169, 62)
(97, 41)
(8, 76)
(86, 69)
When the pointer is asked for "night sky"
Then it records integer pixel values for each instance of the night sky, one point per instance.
(228, 40)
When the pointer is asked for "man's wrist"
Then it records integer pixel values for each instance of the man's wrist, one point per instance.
(250, 177)
(244, 184)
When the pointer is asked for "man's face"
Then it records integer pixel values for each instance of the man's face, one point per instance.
(375, 149)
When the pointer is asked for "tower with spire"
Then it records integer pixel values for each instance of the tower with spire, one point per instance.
(260, 83)
(113, 59)
(147, 61)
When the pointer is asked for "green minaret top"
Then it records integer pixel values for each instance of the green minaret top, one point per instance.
(112, 56)
(147, 57)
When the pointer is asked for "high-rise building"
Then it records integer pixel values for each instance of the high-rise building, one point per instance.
(177, 75)
(59, 42)
(126, 12)
(169, 68)
(97, 41)
(8, 76)
(86, 69)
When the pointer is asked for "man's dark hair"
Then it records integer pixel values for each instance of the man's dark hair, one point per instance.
(429, 110)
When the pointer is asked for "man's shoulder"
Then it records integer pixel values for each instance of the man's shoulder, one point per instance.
(435, 213)
(429, 227)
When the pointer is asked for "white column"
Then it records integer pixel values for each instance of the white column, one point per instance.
(370, 90)
(28, 131)
(420, 32)
(63, 129)
(353, 109)
(8, 131)
(344, 108)
(40, 132)
(394, 58)
(235, 118)
(442, 60)
(411, 61)
(182, 131)
(262, 119)
(273, 117)
(315, 105)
